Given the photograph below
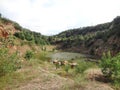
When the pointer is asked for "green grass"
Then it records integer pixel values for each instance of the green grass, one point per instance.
(41, 62)
(17, 78)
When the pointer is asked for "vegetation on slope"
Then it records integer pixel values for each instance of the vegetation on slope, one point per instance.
(17, 44)
(29, 68)
(23, 33)
(111, 68)
(92, 40)
(34, 37)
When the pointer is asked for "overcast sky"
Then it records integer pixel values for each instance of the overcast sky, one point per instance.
(53, 16)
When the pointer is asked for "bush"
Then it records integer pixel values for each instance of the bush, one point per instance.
(66, 68)
(82, 66)
(8, 63)
(111, 66)
(28, 55)
(20, 35)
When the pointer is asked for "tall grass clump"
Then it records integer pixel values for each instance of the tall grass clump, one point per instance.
(42, 56)
(66, 68)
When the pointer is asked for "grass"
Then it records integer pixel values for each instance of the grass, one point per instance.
(79, 80)
(31, 69)
(28, 72)
(16, 78)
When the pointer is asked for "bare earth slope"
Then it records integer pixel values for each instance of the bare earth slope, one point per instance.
(45, 79)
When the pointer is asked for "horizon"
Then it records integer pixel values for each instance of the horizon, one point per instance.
(50, 17)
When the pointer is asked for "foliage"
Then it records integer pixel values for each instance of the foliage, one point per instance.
(28, 55)
(42, 56)
(8, 63)
(17, 26)
(20, 35)
(28, 35)
(88, 38)
(85, 36)
(66, 68)
(82, 66)
(111, 66)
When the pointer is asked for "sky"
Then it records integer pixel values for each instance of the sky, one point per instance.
(51, 17)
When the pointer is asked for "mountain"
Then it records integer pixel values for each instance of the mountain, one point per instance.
(92, 40)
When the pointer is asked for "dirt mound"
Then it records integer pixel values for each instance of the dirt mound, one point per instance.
(96, 80)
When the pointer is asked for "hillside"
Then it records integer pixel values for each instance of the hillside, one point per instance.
(92, 40)
(14, 37)
(26, 62)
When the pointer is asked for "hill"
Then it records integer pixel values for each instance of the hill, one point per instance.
(92, 40)
(25, 61)
(13, 36)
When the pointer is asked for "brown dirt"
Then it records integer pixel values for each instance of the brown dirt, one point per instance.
(45, 81)
(96, 80)
(97, 86)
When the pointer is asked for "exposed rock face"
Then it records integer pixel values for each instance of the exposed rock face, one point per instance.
(3, 32)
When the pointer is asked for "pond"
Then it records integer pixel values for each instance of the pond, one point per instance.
(67, 56)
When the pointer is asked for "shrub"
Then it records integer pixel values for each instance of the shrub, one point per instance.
(106, 64)
(20, 35)
(42, 56)
(28, 55)
(66, 68)
(82, 66)
(111, 66)
(8, 63)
